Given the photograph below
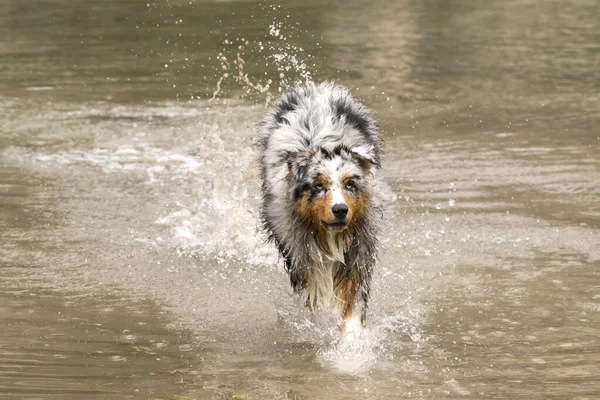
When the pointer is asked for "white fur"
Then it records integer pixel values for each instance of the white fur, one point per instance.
(353, 327)
(320, 287)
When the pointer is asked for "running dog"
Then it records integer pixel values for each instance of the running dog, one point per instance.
(319, 149)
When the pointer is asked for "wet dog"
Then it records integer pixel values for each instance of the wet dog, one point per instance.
(319, 151)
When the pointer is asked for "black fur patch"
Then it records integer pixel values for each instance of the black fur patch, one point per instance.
(326, 154)
(286, 257)
(357, 119)
(336, 151)
(287, 104)
(300, 189)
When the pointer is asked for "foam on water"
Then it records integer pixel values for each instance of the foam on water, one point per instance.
(158, 164)
(214, 209)
(359, 355)
(218, 229)
(353, 356)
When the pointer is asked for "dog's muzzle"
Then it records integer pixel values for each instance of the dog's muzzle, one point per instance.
(339, 212)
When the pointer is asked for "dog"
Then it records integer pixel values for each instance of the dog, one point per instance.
(319, 152)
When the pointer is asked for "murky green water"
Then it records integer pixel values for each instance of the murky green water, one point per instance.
(132, 266)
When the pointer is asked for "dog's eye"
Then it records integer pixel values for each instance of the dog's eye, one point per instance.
(319, 186)
(351, 186)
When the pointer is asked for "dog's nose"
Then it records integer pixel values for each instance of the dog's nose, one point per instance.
(340, 210)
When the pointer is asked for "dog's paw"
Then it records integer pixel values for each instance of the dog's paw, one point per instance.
(352, 329)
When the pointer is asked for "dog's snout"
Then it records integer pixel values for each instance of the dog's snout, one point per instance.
(340, 211)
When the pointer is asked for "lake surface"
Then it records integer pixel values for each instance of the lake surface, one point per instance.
(132, 263)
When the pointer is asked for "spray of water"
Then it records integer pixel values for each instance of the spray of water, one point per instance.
(288, 59)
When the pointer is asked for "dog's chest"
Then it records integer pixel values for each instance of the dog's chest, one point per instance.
(321, 281)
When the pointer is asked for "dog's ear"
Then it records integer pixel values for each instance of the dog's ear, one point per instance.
(366, 161)
(298, 164)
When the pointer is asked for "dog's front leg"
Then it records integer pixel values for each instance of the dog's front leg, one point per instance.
(352, 302)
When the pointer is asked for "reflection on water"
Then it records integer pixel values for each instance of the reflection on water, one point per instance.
(121, 179)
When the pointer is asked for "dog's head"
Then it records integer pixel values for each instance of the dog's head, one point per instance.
(330, 187)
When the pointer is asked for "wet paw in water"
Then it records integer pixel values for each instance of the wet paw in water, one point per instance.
(358, 352)
(352, 354)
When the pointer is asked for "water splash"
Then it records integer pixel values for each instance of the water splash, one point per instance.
(356, 356)
(241, 77)
(367, 352)
(290, 60)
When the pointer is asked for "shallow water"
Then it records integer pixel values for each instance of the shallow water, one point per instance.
(129, 200)
(69, 346)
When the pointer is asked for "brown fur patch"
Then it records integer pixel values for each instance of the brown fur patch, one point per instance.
(324, 181)
(346, 178)
(345, 292)
(319, 209)
(357, 207)
(365, 164)
(316, 211)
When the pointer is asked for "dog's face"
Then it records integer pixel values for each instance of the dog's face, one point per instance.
(330, 188)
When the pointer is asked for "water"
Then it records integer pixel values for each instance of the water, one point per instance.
(132, 262)
(68, 346)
